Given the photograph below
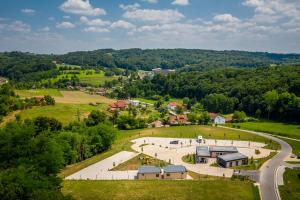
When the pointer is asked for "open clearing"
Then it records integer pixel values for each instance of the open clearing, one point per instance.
(276, 128)
(38, 92)
(157, 190)
(77, 97)
(65, 113)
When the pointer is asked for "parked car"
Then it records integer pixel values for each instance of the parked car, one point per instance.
(174, 142)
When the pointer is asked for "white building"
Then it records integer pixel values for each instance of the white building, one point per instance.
(219, 120)
(172, 106)
(134, 102)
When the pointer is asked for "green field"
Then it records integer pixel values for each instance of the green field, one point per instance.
(276, 128)
(87, 76)
(123, 140)
(65, 113)
(179, 101)
(291, 188)
(167, 190)
(38, 92)
(295, 145)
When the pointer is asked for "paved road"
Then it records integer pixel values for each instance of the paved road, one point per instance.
(268, 172)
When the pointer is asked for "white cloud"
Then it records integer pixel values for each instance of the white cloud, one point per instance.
(93, 22)
(51, 18)
(65, 25)
(181, 2)
(123, 24)
(67, 17)
(81, 7)
(28, 11)
(18, 26)
(158, 16)
(44, 29)
(227, 18)
(150, 1)
(96, 30)
(130, 6)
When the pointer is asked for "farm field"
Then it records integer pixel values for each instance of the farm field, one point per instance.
(168, 190)
(38, 92)
(276, 128)
(291, 188)
(124, 137)
(64, 113)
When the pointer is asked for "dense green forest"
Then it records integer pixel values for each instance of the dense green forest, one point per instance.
(188, 59)
(270, 92)
(33, 152)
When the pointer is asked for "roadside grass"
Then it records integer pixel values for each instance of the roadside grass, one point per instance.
(38, 92)
(159, 189)
(190, 158)
(139, 160)
(256, 163)
(294, 144)
(291, 188)
(276, 128)
(123, 143)
(64, 113)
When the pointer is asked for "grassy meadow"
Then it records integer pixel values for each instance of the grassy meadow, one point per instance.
(167, 190)
(150, 101)
(38, 92)
(291, 188)
(276, 128)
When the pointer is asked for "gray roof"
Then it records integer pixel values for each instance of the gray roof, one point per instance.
(223, 149)
(232, 157)
(202, 151)
(149, 169)
(174, 169)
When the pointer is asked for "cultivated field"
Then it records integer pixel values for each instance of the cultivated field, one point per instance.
(77, 97)
(276, 128)
(167, 190)
(38, 92)
(64, 113)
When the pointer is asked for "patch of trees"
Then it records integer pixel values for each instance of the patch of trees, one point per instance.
(188, 59)
(229, 89)
(33, 152)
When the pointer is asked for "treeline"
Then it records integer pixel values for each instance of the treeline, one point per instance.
(34, 151)
(26, 67)
(226, 90)
(187, 59)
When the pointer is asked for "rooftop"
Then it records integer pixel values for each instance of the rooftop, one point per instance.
(202, 151)
(223, 149)
(149, 170)
(174, 169)
(232, 156)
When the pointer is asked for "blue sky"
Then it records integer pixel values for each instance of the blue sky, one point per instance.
(59, 26)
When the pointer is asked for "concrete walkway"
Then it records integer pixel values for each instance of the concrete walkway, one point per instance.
(100, 170)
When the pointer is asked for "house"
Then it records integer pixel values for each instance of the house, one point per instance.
(228, 119)
(216, 118)
(148, 173)
(172, 106)
(174, 172)
(216, 151)
(178, 120)
(202, 154)
(232, 160)
(156, 124)
(119, 105)
(134, 102)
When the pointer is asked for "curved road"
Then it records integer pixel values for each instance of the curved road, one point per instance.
(268, 172)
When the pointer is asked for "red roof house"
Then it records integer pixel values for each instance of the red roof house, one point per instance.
(118, 105)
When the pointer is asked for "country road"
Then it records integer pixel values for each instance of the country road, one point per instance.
(268, 172)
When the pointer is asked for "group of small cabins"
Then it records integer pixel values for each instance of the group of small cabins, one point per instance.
(170, 172)
(174, 119)
(227, 156)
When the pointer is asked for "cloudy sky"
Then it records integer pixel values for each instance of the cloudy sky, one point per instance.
(59, 26)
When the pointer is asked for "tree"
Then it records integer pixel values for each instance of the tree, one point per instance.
(95, 117)
(239, 116)
(270, 98)
(49, 100)
(46, 124)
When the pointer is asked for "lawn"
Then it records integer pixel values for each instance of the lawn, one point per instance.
(276, 128)
(291, 188)
(139, 160)
(65, 113)
(190, 158)
(295, 145)
(167, 190)
(38, 92)
(123, 140)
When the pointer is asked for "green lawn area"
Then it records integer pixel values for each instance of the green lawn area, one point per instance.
(179, 101)
(295, 145)
(190, 158)
(123, 140)
(291, 188)
(167, 190)
(65, 113)
(38, 92)
(276, 128)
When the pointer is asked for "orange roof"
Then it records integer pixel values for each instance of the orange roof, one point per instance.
(173, 104)
(119, 104)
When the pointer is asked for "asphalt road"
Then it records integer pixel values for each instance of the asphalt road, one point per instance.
(268, 176)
